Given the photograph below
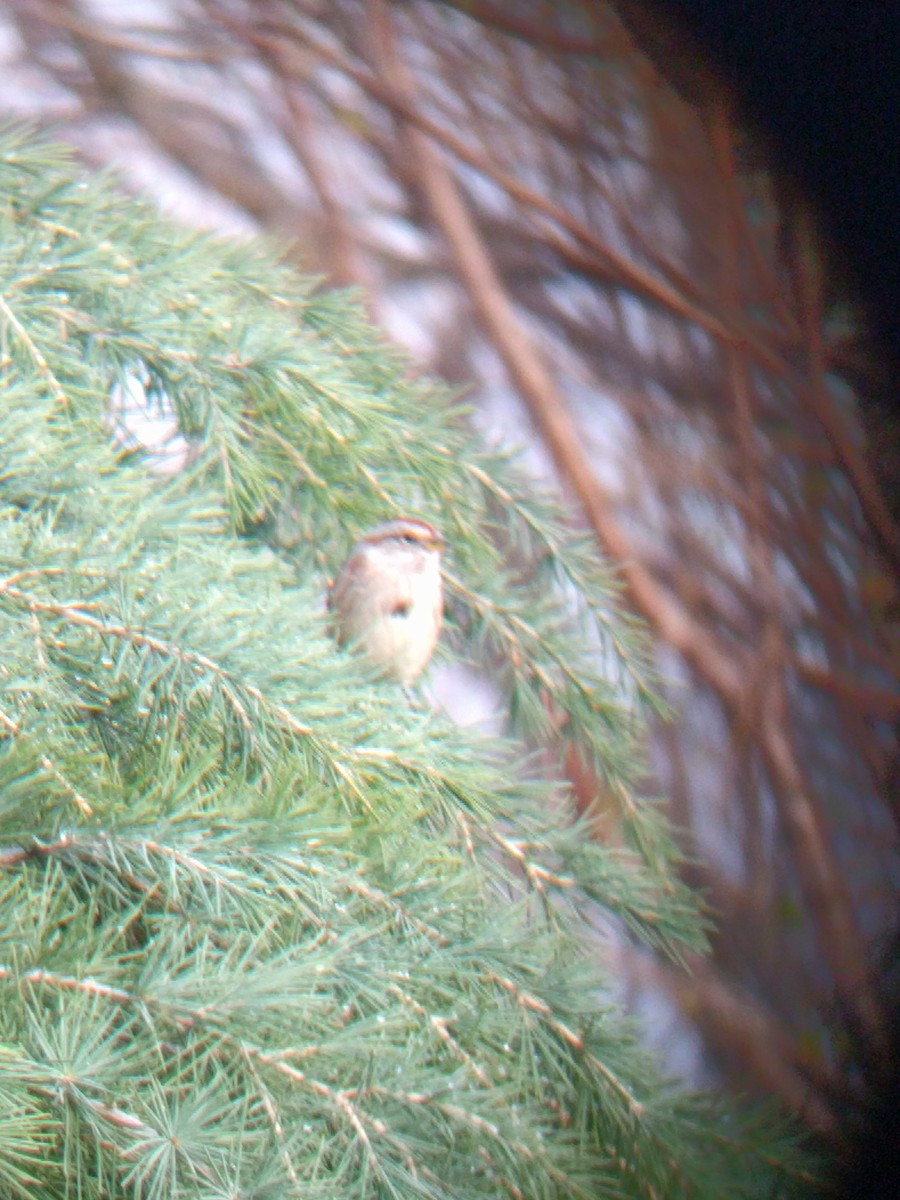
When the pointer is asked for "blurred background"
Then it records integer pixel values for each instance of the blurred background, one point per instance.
(556, 207)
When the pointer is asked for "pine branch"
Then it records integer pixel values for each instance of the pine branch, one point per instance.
(262, 924)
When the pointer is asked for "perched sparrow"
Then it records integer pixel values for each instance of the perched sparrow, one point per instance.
(387, 598)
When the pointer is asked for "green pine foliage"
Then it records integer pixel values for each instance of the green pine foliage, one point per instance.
(268, 927)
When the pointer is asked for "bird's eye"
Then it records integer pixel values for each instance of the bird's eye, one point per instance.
(409, 539)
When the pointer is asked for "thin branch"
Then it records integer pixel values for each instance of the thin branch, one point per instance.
(821, 404)
(622, 268)
(80, 801)
(34, 350)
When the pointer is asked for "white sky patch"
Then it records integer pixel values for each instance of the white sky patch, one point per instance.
(142, 417)
(468, 697)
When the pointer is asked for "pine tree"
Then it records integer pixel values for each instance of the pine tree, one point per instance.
(268, 927)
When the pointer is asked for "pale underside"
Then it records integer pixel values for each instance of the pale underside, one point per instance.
(388, 603)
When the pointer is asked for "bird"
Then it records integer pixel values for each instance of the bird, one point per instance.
(387, 599)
